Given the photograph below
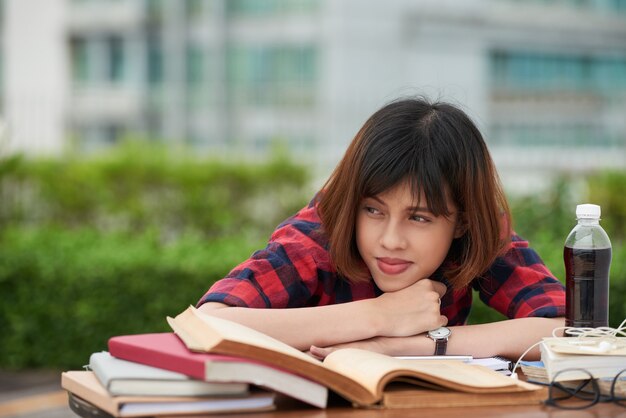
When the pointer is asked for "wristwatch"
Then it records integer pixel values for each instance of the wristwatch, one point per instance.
(440, 337)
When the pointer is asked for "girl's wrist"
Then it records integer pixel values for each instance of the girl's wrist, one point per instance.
(416, 345)
(372, 318)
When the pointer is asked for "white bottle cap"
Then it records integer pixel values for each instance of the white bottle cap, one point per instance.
(588, 211)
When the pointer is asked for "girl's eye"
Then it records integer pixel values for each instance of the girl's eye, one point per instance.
(371, 210)
(420, 219)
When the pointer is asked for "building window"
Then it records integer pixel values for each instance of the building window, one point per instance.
(578, 135)
(79, 58)
(116, 68)
(602, 6)
(272, 75)
(195, 65)
(270, 7)
(196, 77)
(538, 72)
(155, 60)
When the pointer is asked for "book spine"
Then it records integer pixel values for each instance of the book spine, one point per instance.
(187, 366)
(100, 372)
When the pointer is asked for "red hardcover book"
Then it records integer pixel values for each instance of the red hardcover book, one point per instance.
(167, 351)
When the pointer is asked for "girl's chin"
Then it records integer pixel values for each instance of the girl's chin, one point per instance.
(390, 285)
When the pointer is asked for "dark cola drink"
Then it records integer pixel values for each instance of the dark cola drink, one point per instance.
(587, 284)
(587, 257)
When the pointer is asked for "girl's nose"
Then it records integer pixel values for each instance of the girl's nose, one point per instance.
(392, 237)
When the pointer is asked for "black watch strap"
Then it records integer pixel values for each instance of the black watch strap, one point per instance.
(441, 346)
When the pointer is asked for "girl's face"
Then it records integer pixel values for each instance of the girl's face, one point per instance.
(400, 243)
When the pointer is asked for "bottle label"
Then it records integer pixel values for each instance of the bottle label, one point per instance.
(589, 301)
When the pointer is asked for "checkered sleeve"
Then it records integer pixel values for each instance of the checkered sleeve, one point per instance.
(519, 285)
(282, 275)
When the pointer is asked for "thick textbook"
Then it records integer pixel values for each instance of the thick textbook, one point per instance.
(536, 372)
(122, 377)
(560, 353)
(85, 385)
(360, 376)
(167, 351)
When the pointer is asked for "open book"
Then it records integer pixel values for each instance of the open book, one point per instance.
(362, 377)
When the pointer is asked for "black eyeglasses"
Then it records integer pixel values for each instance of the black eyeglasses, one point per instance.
(578, 389)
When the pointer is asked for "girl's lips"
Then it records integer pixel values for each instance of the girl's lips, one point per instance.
(392, 265)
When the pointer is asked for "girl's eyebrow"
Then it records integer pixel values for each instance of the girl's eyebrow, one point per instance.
(410, 209)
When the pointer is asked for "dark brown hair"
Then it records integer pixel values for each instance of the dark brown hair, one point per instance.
(442, 154)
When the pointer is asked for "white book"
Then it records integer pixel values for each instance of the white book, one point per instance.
(559, 354)
(122, 377)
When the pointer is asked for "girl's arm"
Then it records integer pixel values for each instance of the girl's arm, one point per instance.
(509, 338)
(403, 313)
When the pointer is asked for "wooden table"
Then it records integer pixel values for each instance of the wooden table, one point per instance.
(288, 408)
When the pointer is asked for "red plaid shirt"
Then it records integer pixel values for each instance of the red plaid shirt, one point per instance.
(295, 270)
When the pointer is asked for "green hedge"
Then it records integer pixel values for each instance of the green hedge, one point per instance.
(65, 292)
(109, 245)
(139, 186)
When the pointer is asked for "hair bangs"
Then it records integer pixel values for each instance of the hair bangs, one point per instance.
(401, 161)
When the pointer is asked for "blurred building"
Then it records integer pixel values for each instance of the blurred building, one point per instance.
(544, 79)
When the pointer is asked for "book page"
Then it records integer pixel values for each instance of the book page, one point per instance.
(248, 336)
(375, 370)
(586, 346)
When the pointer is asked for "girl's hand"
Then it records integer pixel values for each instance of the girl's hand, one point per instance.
(410, 311)
(376, 344)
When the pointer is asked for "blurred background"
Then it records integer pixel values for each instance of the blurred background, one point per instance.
(148, 146)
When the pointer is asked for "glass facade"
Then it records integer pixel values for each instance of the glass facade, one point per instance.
(575, 135)
(538, 72)
(579, 87)
(272, 75)
(603, 6)
(241, 78)
(270, 7)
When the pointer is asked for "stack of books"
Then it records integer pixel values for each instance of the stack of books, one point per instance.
(601, 358)
(564, 354)
(211, 365)
(156, 374)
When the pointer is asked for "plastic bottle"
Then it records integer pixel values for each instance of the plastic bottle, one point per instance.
(587, 256)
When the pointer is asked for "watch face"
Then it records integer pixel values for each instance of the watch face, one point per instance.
(441, 332)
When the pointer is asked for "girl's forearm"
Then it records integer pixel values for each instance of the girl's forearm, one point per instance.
(405, 312)
(508, 338)
(302, 327)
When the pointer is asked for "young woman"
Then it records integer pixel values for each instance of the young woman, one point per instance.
(412, 219)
